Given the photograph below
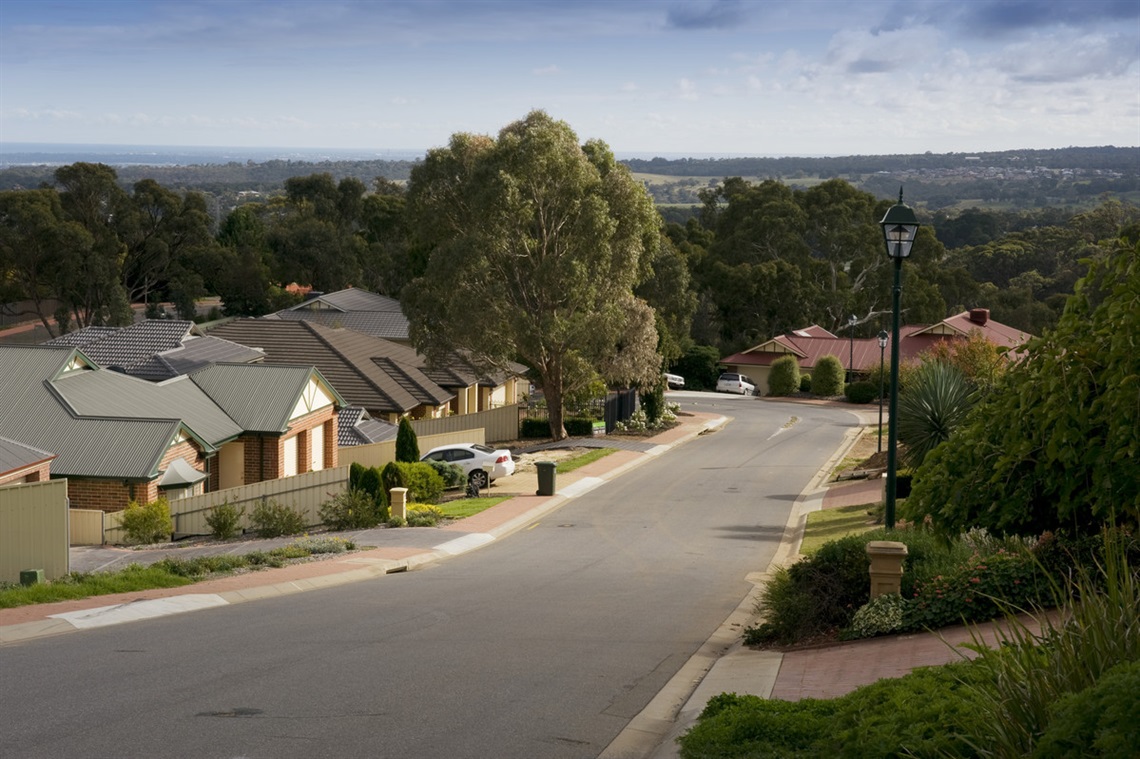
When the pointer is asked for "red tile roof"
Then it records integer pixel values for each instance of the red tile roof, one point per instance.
(812, 343)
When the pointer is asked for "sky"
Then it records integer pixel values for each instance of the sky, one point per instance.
(659, 77)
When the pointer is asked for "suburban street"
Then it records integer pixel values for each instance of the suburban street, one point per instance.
(542, 644)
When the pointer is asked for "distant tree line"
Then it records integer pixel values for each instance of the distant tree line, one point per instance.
(752, 260)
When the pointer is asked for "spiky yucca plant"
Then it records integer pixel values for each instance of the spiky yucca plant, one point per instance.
(934, 403)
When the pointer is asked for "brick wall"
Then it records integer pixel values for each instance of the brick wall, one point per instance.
(105, 495)
(36, 473)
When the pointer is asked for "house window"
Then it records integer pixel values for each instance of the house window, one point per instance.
(317, 448)
(289, 454)
(173, 494)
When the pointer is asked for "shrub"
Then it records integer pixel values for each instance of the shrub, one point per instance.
(534, 428)
(355, 472)
(424, 484)
(577, 427)
(350, 510)
(424, 515)
(699, 367)
(879, 616)
(653, 401)
(805, 383)
(827, 377)
(1103, 720)
(392, 476)
(861, 392)
(407, 444)
(451, 474)
(371, 484)
(1029, 673)
(224, 520)
(784, 377)
(271, 519)
(148, 522)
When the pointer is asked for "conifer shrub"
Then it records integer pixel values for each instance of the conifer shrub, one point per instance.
(784, 378)
(805, 383)
(407, 444)
(827, 377)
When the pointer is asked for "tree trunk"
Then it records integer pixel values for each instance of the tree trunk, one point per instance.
(552, 392)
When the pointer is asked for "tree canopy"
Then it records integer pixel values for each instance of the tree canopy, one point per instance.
(536, 244)
(1056, 443)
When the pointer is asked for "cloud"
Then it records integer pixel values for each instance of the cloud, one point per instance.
(995, 18)
(687, 89)
(720, 14)
(551, 70)
(1049, 60)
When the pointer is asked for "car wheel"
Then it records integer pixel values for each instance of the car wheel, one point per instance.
(478, 478)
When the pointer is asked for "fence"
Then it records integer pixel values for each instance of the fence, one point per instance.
(379, 454)
(303, 492)
(33, 529)
(88, 527)
(497, 424)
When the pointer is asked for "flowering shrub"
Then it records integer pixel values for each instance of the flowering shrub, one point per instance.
(981, 589)
(424, 515)
(639, 421)
(879, 616)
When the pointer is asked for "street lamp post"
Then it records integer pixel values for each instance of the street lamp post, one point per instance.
(900, 226)
(851, 322)
(882, 383)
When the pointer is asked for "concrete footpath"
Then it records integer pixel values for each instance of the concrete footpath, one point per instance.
(722, 664)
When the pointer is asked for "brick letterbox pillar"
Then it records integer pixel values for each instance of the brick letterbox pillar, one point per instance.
(886, 566)
(399, 503)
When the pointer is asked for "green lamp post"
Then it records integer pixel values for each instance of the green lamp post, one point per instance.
(900, 226)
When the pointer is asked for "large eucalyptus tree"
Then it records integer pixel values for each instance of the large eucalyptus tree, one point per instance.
(535, 245)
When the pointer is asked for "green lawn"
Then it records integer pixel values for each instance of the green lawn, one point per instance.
(831, 524)
(466, 507)
(72, 587)
(569, 465)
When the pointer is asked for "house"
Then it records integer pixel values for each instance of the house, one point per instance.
(355, 309)
(21, 463)
(356, 427)
(812, 343)
(119, 438)
(375, 374)
(388, 379)
(155, 349)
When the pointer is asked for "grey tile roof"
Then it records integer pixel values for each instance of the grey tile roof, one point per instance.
(355, 427)
(346, 359)
(259, 397)
(197, 352)
(349, 299)
(15, 455)
(35, 413)
(390, 325)
(129, 347)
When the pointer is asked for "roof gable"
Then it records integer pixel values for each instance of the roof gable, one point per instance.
(264, 397)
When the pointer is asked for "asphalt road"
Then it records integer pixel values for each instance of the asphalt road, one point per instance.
(543, 644)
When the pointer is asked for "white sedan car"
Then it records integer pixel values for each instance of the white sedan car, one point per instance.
(674, 381)
(475, 460)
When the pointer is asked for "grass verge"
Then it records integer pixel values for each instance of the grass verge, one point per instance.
(171, 572)
(466, 507)
(569, 465)
(831, 524)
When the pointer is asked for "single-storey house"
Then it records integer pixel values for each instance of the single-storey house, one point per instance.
(862, 355)
(21, 463)
(118, 438)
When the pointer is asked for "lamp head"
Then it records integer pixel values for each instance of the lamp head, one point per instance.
(900, 226)
(883, 338)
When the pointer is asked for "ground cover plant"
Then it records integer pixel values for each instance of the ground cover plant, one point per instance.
(576, 462)
(171, 572)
